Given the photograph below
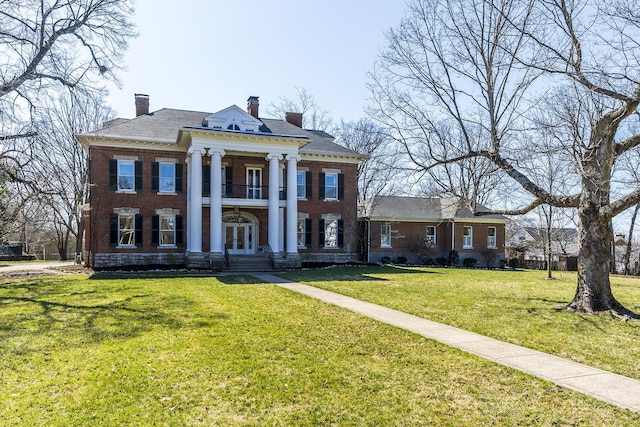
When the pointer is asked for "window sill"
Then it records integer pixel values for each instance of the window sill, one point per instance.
(385, 246)
(331, 200)
(167, 246)
(492, 247)
(126, 192)
(126, 247)
(467, 247)
(331, 247)
(166, 193)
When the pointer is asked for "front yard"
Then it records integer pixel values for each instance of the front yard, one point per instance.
(79, 350)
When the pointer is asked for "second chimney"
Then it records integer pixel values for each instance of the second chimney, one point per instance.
(252, 106)
(142, 104)
(293, 118)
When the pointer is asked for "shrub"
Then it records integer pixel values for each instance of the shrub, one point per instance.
(514, 262)
(385, 260)
(502, 263)
(469, 262)
(454, 258)
(441, 261)
(401, 260)
(430, 261)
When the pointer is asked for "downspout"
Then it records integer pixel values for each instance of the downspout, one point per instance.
(453, 235)
(368, 222)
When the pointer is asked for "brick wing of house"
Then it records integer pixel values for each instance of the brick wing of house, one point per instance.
(176, 187)
(423, 229)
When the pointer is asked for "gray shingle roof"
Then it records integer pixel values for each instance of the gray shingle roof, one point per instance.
(422, 209)
(162, 126)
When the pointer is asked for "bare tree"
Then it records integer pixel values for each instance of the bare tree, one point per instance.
(380, 173)
(313, 116)
(471, 64)
(60, 165)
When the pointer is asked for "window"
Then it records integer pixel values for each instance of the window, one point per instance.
(167, 230)
(385, 235)
(301, 184)
(254, 183)
(233, 126)
(331, 231)
(167, 178)
(301, 232)
(126, 230)
(491, 238)
(431, 235)
(331, 186)
(467, 237)
(126, 176)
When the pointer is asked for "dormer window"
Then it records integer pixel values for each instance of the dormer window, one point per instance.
(233, 126)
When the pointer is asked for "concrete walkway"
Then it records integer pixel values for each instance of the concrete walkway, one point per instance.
(612, 388)
(33, 266)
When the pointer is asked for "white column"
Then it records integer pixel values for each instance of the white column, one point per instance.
(292, 203)
(196, 199)
(274, 198)
(189, 210)
(281, 243)
(215, 228)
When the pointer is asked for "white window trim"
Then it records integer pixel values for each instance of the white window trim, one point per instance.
(165, 245)
(435, 234)
(465, 246)
(160, 190)
(118, 175)
(325, 186)
(133, 228)
(259, 187)
(304, 230)
(495, 238)
(304, 184)
(328, 218)
(386, 225)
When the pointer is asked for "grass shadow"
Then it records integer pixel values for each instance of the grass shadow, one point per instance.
(353, 273)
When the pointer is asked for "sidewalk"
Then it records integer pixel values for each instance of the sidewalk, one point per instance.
(33, 266)
(612, 388)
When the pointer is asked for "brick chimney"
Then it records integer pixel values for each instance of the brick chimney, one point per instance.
(252, 106)
(293, 118)
(142, 104)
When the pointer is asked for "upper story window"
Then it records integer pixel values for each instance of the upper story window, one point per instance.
(467, 237)
(331, 186)
(492, 242)
(233, 126)
(166, 177)
(254, 183)
(125, 175)
(301, 181)
(431, 234)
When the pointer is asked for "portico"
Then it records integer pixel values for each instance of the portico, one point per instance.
(217, 162)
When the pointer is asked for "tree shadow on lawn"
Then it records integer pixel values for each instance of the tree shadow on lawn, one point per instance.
(41, 316)
(352, 273)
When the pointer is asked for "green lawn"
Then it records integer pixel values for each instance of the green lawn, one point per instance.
(79, 351)
(520, 307)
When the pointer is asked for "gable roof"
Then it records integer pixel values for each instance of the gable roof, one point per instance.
(424, 209)
(163, 126)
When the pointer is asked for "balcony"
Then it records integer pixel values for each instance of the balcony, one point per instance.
(247, 192)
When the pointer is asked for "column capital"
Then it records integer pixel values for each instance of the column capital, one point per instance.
(194, 150)
(272, 156)
(216, 152)
(295, 157)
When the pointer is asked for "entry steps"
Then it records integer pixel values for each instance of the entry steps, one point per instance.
(249, 263)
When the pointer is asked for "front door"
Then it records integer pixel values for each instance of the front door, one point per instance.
(239, 238)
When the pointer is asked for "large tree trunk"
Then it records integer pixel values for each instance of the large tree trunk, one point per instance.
(593, 293)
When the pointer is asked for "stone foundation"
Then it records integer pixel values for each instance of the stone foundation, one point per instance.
(110, 260)
(327, 257)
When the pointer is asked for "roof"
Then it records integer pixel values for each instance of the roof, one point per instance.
(424, 209)
(162, 126)
(564, 234)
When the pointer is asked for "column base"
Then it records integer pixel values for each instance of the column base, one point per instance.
(293, 260)
(196, 260)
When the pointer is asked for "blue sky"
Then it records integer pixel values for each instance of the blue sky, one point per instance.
(207, 55)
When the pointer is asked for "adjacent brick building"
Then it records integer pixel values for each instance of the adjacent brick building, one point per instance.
(176, 187)
(422, 229)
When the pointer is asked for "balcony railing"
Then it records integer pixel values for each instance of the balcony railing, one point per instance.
(251, 192)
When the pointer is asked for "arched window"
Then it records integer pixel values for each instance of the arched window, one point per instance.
(233, 126)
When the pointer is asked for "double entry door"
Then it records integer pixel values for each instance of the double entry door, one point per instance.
(239, 238)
